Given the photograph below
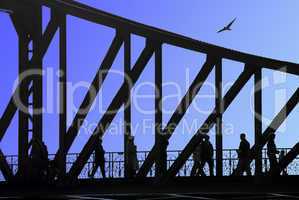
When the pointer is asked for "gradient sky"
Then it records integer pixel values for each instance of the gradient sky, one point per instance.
(265, 28)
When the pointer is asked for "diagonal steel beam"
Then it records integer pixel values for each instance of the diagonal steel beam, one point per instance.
(7, 116)
(209, 123)
(92, 93)
(100, 17)
(47, 37)
(179, 112)
(4, 167)
(276, 122)
(107, 118)
(287, 159)
(11, 108)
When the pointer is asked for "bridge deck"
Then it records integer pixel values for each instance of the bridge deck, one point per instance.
(179, 188)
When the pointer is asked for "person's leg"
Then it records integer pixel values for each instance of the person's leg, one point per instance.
(201, 166)
(102, 166)
(242, 166)
(194, 168)
(94, 169)
(273, 163)
(238, 170)
(211, 166)
(248, 168)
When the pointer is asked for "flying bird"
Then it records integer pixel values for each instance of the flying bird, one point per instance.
(228, 27)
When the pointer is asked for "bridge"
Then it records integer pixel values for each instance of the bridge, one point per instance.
(115, 163)
(27, 100)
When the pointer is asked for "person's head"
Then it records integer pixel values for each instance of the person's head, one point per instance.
(243, 136)
(207, 138)
(131, 138)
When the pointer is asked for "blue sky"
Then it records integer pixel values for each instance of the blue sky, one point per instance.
(266, 28)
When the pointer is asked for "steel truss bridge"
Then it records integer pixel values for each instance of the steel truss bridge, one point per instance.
(26, 17)
(115, 164)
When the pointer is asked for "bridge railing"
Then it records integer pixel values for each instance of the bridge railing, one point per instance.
(115, 163)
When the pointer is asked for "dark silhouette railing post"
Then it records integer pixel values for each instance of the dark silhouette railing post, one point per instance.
(230, 162)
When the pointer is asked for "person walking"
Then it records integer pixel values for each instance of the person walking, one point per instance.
(272, 152)
(243, 155)
(196, 161)
(206, 156)
(99, 160)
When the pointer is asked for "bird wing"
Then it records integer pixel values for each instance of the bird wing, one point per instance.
(231, 23)
(224, 29)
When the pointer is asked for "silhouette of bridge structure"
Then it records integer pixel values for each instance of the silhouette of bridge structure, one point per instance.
(26, 17)
(115, 164)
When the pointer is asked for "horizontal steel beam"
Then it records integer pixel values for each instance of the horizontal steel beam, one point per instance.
(100, 17)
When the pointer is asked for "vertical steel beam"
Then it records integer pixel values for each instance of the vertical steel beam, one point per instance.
(109, 115)
(22, 94)
(208, 124)
(127, 105)
(29, 23)
(258, 119)
(37, 83)
(179, 112)
(92, 93)
(276, 123)
(219, 111)
(62, 92)
(161, 162)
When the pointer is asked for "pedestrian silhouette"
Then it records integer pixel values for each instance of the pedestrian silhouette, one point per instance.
(133, 160)
(161, 168)
(38, 159)
(271, 152)
(196, 161)
(99, 160)
(243, 155)
(206, 152)
(281, 156)
(53, 172)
